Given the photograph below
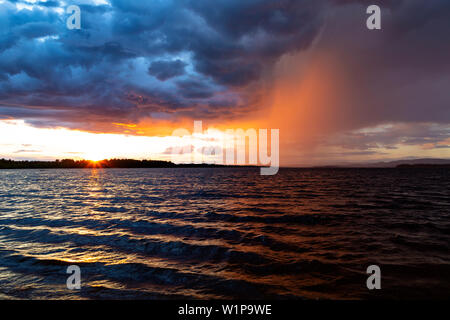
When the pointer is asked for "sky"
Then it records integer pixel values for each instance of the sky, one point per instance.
(137, 70)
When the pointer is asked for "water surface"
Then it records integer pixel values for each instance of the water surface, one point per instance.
(224, 233)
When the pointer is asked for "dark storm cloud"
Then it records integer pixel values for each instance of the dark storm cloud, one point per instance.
(164, 70)
(210, 48)
(195, 89)
(200, 58)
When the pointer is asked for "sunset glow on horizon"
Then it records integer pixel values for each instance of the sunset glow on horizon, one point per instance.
(30, 143)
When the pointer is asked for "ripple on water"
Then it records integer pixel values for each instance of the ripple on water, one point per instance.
(223, 233)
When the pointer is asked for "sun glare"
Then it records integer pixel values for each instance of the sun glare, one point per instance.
(28, 142)
(94, 157)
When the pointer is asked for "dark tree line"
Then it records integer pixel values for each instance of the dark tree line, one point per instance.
(66, 163)
(111, 163)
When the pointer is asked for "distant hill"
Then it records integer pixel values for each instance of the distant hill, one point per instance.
(425, 162)
(396, 163)
(424, 165)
